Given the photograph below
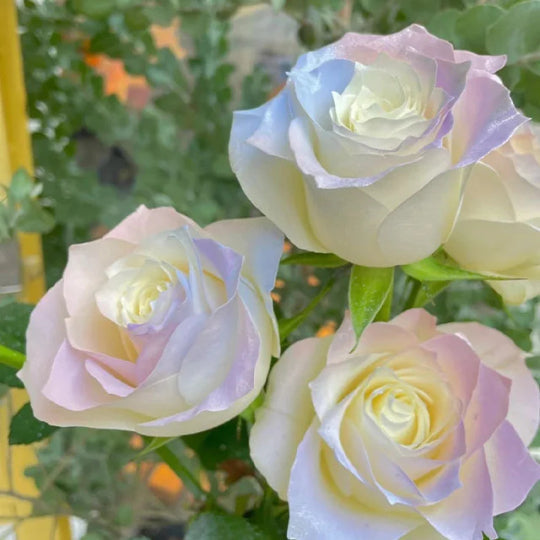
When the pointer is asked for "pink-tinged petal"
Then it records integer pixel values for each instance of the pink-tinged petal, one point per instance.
(512, 469)
(418, 321)
(145, 222)
(69, 384)
(287, 411)
(488, 407)
(491, 64)
(261, 243)
(85, 270)
(332, 383)
(222, 261)
(229, 399)
(45, 336)
(469, 510)
(283, 202)
(90, 332)
(318, 510)
(223, 357)
(478, 130)
(376, 338)
(501, 354)
(109, 382)
(459, 363)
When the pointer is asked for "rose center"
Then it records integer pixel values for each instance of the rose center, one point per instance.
(375, 94)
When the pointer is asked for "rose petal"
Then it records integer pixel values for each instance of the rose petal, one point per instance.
(469, 510)
(512, 469)
(85, 270)
(501, 354)
(256, 170)
(287, 411)
(319, 512)
(145, 222)
(70, 385)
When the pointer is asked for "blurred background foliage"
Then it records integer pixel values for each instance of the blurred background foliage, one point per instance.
(130, 102)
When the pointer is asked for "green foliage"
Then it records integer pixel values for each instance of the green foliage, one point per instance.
(213, 526)
(26, 429)
(369, 289)
(322, 260)
(228, 441)
(439, 267)
(20, 210)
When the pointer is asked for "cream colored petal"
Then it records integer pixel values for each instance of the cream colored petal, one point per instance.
(418, 227)
(85, 270)
(287, 411)
(274, 185)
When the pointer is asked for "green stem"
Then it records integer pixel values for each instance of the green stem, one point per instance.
(170, 458)
(414, 290)
(11, 358)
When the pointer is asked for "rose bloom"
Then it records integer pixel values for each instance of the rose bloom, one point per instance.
(161, 327)
(365, 150)
(420, 433)
(498, 227)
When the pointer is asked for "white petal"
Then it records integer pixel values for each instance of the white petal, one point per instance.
(287, 411)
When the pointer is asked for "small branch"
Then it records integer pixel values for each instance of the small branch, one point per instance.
(11, 358)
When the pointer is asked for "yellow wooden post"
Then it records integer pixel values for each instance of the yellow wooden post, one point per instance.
(15, 152)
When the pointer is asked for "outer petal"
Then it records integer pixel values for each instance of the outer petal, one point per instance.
(501, 354)
(85, 270)
(469, 510)
(512, 469)
(44, 337)
(274, 185)
(416, 228)
(318, 511)
(287, 411)
(261, 243)
(146, 222)
(210, 412)
(478, 130)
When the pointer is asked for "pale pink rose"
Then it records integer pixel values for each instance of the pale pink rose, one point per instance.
(498, 228)
(421, 433)
(161, 327)
(365, 151)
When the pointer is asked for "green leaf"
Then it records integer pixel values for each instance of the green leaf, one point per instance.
(14, 319)
(322, 260)
(368, 291)
(214, 526)
(435, 268)
(94, 8)
(443, 24)
(153, 444)
(428, 291)
(8, 376)
(228, 441)
(516, 32)
(26, 429)
(287, 326)
(471, 26)
(33, 218)
(21, 187)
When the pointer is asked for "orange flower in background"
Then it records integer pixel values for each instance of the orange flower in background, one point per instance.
(133, 89)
